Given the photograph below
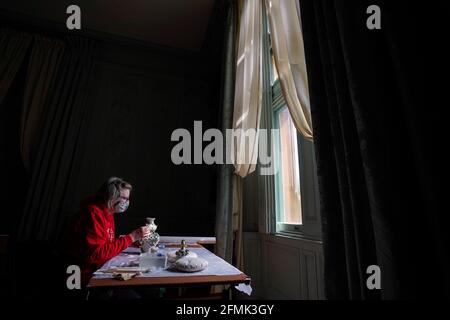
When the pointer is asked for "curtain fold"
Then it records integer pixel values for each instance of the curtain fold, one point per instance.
(223, 225)
(247, 99)
(289, 57)
(44, 63)
(43, 215)
(238, 248)
(246, 111)
(13, 49)
(369, 122)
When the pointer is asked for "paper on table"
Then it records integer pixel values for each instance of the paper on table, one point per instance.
(246, 288)
(132, 250)
(124, 276)
(124, 270)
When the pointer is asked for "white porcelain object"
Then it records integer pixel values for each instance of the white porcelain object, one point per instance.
(173, 257)
(149, 243)
(151, 224)
(187, 264)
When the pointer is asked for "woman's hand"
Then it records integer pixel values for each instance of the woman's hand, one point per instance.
(140, 233)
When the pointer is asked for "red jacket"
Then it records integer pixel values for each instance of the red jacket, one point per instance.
(91, 237)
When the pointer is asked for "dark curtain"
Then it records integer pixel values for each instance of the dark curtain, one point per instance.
(373, 135)
(53, 167)
(41, 72)
(13, 49)
(224, 227)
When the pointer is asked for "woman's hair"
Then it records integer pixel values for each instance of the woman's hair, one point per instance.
(110, 190)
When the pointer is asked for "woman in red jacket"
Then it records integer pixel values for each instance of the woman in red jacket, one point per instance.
(91, 239)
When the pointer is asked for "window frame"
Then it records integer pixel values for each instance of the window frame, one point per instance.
(272, 100)
(278, 104)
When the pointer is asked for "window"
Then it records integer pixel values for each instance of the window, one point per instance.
(296, 209)
(292, 208)
(288, 202)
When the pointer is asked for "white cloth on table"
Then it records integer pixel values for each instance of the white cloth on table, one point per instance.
(216, 265)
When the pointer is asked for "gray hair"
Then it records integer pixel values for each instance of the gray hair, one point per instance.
(111, 188)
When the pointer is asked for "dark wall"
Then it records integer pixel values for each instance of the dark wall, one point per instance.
(138, 97)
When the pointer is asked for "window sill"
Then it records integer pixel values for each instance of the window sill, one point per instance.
(297, 236)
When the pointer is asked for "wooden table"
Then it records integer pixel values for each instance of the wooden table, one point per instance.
(172, 281)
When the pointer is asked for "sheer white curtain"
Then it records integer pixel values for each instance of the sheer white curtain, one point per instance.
(247, 109)
(289, 56)
(247, 99)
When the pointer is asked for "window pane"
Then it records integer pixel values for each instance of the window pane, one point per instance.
(289, 177)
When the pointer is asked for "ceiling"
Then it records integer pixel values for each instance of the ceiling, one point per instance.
(178, 24)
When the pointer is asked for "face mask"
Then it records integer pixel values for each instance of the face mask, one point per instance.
(122, 205)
